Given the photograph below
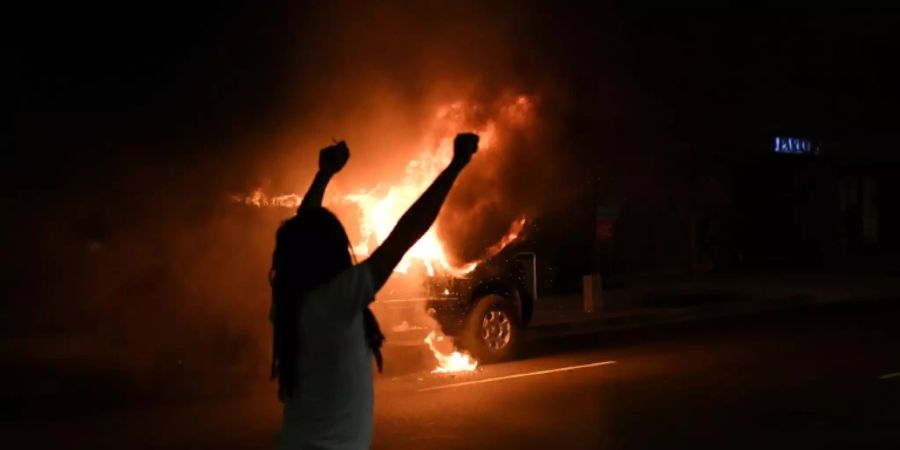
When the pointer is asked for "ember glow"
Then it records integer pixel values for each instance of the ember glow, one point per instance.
(452, 363)
(259, 198)
(515, 230)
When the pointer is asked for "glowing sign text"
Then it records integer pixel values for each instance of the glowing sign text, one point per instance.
(795, 146)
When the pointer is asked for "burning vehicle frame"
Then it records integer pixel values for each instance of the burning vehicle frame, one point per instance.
(484, 310)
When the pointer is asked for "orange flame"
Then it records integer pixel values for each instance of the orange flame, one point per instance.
(379, 212)
(515, 230)
(380, 209)
(259, 198)
(452, 363)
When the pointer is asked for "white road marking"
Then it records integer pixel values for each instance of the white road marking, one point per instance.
(518, 375)
(888, 376)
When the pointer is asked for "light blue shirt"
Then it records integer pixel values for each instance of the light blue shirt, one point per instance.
(332, 405)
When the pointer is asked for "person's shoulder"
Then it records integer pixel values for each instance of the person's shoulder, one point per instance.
(354, 280)
(360, 275)
(346, 294)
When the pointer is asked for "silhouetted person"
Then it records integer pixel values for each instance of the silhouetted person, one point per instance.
(325, 336)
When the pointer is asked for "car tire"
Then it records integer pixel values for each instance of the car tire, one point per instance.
(492, 329)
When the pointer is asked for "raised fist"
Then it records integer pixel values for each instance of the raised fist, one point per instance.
(464, 146)
(333, 158)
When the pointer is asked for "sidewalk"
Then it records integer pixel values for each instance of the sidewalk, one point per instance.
(667, 302)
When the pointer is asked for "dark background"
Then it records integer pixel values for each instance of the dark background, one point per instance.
(131, 125)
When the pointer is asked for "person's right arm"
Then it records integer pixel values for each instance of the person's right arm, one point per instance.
(419, 217)
(331, 160)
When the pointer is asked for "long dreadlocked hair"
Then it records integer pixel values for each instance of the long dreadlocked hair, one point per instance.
(311, 248)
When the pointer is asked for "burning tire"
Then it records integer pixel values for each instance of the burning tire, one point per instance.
(492, 329)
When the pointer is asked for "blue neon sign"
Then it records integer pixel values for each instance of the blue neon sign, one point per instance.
(795, 146)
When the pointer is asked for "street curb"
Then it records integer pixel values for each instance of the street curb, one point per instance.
(692, 314)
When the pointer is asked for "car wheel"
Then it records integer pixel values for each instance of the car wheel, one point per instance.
(492, 329)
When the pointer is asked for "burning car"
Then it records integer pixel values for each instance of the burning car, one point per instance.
(484, 301)
(484, 310)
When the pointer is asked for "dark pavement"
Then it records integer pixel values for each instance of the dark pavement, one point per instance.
(803, 379)
(817, 377)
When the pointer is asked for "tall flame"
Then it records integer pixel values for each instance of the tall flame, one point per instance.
(380, 208)
(380, 211)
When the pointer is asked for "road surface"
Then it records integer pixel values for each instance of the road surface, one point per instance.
(824, 377)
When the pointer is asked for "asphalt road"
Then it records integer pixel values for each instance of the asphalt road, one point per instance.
(827, 377)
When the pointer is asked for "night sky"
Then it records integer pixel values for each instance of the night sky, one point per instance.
(95, 85)
(131, 125)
